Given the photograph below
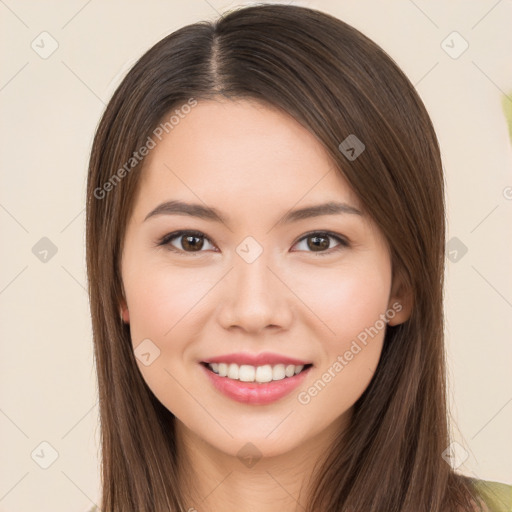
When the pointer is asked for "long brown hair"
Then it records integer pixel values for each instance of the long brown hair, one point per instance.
(336, 82)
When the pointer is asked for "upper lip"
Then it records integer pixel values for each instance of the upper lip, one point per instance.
(256, 359)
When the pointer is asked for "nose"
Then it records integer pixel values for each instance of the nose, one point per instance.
(254, 298)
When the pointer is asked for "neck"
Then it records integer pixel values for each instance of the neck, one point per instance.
(212, 480)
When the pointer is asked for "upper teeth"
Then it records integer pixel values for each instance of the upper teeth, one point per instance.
(248, 373)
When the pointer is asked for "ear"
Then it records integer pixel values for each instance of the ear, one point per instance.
(124, 312)
(400, 300)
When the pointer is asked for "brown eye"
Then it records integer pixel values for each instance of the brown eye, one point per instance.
(192, 242)
(320, 242)
(189, 241)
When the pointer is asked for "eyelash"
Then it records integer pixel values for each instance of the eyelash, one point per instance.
(165, 241)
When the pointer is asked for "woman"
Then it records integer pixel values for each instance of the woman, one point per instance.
(265, 252)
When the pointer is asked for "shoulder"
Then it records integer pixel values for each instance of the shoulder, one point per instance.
(496, 495)
(94, 508)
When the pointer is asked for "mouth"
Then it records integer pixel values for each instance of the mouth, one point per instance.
(256, 374)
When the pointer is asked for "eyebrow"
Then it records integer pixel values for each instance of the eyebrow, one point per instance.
(205, 212)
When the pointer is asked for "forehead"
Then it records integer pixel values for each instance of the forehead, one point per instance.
(234, 150)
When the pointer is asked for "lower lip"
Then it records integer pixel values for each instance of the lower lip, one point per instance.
(253, 393)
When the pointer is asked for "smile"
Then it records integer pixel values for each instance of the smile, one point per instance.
(252, 391)
(261, 374)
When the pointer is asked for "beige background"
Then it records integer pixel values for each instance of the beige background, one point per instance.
(49, 110)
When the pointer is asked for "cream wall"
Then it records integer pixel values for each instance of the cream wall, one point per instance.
(49, 110)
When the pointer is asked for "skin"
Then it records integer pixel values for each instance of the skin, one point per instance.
(253, 163)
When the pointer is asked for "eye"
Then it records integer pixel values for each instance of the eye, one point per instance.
(190, 241)
(319, 242)
(193, 242)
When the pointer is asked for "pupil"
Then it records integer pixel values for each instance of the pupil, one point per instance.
(316, 245)
(188, 245)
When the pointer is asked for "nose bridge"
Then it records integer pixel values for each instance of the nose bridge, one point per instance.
(253, 279)
(251, 266)
(254, 297)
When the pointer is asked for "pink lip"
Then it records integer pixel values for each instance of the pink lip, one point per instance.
(256, 360)
(254, 393)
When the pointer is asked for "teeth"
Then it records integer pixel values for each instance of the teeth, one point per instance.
(248, 373)
(233, 371)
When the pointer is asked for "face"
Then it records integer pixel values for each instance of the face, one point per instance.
(253, 278)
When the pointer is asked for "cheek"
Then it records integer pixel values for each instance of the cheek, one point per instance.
(163, 302)
(347, 300)
(349, 303)
(351, 350)
(159, 297)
